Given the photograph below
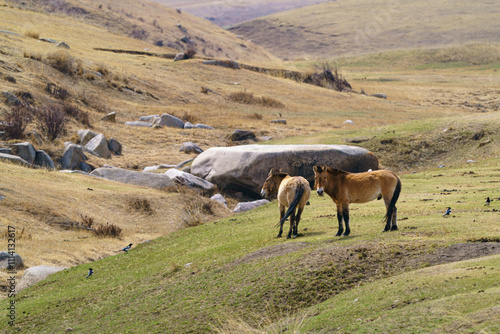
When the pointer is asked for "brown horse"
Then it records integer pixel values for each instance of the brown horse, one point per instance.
(344, 188)
(293, 192)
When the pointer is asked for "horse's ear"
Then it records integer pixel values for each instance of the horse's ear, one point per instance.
(274, 171)
(317, 169)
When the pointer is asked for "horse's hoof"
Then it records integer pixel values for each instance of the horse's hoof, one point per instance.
(394, 228)
(346, 234)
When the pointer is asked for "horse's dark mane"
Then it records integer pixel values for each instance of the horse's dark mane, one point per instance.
(335, 170)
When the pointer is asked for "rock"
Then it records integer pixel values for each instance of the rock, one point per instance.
(150, 118)
(139, 123)
(190, 180)
(49, 40)
(204, 126)
(11, 99)
(72, 156)
(190, 147)
(15, 261)
(189, 125)
(2, 135)
(136, 178)
(219, 198)
(239, 135)
(14, 159)
(34, 275)
(245, 206)
(85, 167)
(2, 198)
(42, 159)
(99, 145)
(170, 121)
(86, 135)
(111, 117)
(279, 121)
(348, 122)
(180, 56)
(24, 150)
(63, 45)
(245, 168)
(185, 39)
(380, 96)
(114, 146)
(5, 150)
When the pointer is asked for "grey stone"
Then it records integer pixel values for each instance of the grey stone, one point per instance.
(11, 99)
(380, 96)
(42, 159)
(245, 206)
(245, 168)
(136, 178)
(170, 121)
(36, 274)
(14, 159)
(16, 261)
(150, 118)
(219, 198)
(179, 56)
(99, 145)
(239, 135)
(49, 40)
(72, 156)
(63, 45)
(2, 134)
(279, 121)
(139, 123)
(24, 150)
(114, 146)
(189, 125)
(190, 180)
(204, 126)
(111, 117)
(85, 167)
(5, 150)
(86, 135)
(190, 147)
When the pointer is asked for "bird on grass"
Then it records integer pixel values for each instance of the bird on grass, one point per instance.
(90, 273)
(126, 249)
(447, 213)
(488, 200)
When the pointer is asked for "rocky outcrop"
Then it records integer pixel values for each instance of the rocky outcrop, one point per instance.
(13, 261)
(191, 181)
(72, 156)
(34, 275)
(99, 146)
(136, 178)
(169, 121)
(245, 168)
(190, 147)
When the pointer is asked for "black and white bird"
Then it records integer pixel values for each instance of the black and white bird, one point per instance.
(90, 273)
(126, 249)
(447, 213)
(488, 200)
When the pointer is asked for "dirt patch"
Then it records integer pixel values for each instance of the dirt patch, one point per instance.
(269, 252)
(463, 251)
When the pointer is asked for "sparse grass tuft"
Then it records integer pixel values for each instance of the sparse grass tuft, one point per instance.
(108, 230)
(141, 205)
(249, 98)
(32, 55)
(32, 34)
(61, 61)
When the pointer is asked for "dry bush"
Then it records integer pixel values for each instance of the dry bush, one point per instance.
(242, 97)
(195, 207)
(56, 91)
(15, 122)
(102, 69)
(141, 205)
(76, 113)
(256, 116)
(51, 119)
(271, 102)
(189, 53)
(139, 33)
(32, 34)
(32, 55)
(328, 78)
(187, 117)
(61, 61)
(108, 230)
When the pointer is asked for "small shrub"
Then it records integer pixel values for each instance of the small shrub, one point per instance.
(187, 117)
(242, 97)
(256, 116)
(56, 91)
(32, 34)
(139, 33)
(108, 230)
(61, 61)
(271, 102)
(190, 53)
(87, 222)
(102, 69)
(249, 98)
(32, 55)
(158, 42)
(328, 78)
(75, 112)
(51, 120)
(140, 205)
(15, 122)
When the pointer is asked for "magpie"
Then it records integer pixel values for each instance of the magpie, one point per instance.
(90, 273)
(126, 249)
(488, 200)
(448, 211)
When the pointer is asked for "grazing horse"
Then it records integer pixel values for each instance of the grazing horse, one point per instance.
(293, 192)
(344, 188)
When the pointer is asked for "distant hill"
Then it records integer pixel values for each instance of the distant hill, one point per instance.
(155, 24)
(225, 13)
(368, 26)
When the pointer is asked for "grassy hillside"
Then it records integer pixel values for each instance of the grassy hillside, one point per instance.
(231, 12)
(365, 26)
(234, 272)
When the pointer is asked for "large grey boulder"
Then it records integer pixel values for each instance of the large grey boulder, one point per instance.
(13, 159)
(239, 135)
(190, 180)
(42, 159)
(115, 146)
(8, 261)
(139, 123)
(86, 136)
(136, 178)
(72, 156)
(99, 145)
(34, 275)
(25, 150)
(170, 121)
(245, 168)
(245, 206)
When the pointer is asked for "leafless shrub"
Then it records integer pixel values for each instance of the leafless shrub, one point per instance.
(188, 117)
(328, 78)
(32, 55)
(56, 91)
(242, 97)
(87, 222)
(61, 61)
(139, 33)
(77, 113)
(15, 122)
(140, 205)
(108, 230)
(158, 42)
(271, 102)
(51, 120)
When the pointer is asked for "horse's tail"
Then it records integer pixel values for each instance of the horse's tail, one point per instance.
(394, 199)
(299, 192)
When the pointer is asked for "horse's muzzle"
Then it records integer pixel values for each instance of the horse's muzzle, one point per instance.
(320, 191)
(263, 193)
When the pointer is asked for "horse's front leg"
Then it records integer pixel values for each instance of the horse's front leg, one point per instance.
(339, 218)
(292, 225)
(282, 214)
(345, 214)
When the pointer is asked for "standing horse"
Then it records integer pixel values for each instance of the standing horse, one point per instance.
(344, 188)
(293, 192)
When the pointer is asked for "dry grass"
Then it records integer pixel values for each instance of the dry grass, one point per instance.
(32, 34)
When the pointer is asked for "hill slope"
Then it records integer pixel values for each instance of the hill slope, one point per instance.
(365, 26)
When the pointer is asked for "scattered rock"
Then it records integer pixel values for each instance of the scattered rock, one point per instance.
(190, 147)
(179, 56)
(24, 150)
(245, 206)
(279, 121)
(114, 146)
(99, 145)
(63, 45)
(150, 118)
(34, 275)
(190, 180)
(42, 159)
(170, 121)
(380, 96)
(14, 159)
(239, 135)
(136, 178)
(204, 126)
(111, 117)
(17, 261)
(5, 150)
(72, 156)
(11, 99)
(139, 123)
(48, 40)
(219, 198)
(85, 136)
(348, 122)
(189, 125)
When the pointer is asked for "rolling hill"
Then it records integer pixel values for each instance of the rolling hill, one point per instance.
(364, 26)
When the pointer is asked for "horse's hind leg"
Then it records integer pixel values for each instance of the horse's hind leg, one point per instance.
(345, 213)
(292, 225)
(387, 227)
(394, 220)
(339, 218)
(297, 220)
(282, 214)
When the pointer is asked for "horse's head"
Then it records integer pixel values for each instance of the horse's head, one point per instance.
(320, 179)
(272, 183)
